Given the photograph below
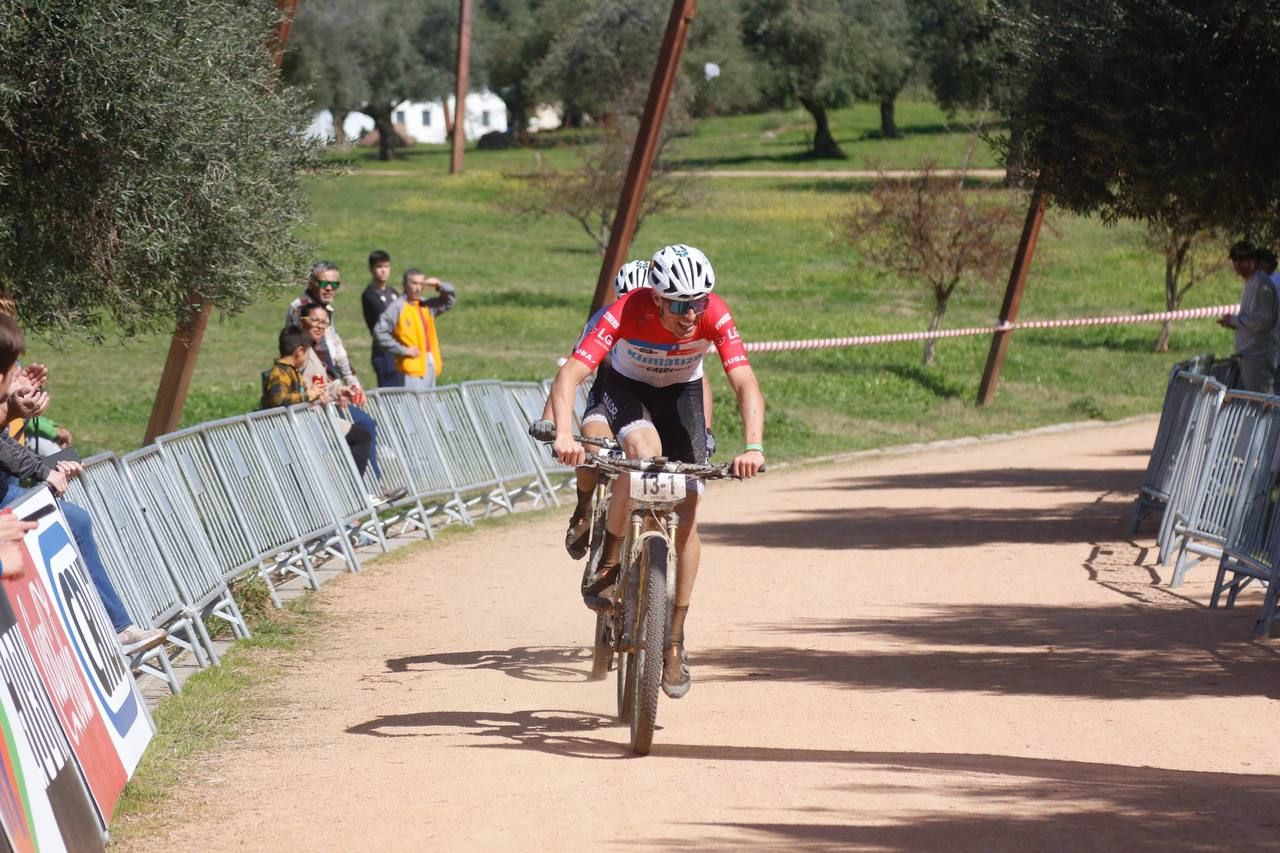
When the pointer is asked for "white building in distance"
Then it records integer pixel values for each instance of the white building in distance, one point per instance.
(424, 121)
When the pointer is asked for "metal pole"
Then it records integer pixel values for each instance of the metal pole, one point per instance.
(460, 97)
(655, 111)
(180, 366)
(1013, 295)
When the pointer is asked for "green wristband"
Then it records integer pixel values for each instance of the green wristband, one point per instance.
(759, 447)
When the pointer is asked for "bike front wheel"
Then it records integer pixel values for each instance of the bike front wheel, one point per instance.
(646, 677)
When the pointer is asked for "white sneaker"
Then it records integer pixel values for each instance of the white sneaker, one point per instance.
(134, 639)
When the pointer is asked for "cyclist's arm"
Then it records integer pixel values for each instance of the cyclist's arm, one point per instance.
(751, 408)
(568, 451)
(707, 399)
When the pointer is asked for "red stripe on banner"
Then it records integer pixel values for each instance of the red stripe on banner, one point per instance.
(905, 337)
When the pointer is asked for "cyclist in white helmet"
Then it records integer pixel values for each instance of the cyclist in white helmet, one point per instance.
(655, 341)
(631, 276)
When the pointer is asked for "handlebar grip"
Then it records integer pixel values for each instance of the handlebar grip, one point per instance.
(543, 430)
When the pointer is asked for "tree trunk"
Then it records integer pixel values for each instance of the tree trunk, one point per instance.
(888, 122)
(1015, 164)
(824, 144)
(935, 321)
(339, 119)
(448, 119)
(381, 116)
(1175, 253)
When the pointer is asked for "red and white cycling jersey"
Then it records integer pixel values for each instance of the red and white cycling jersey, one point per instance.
(631, 333)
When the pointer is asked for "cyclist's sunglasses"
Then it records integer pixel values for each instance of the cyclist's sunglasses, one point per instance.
(684, 306)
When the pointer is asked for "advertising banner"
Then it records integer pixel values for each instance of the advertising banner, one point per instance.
(43, 802)
(76, 654)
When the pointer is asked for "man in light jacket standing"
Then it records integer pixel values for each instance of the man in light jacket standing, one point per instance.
(1256, 340)
(408, 329)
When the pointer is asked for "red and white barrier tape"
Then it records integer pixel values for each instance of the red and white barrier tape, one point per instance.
(902, 337)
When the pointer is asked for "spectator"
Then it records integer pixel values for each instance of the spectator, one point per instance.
(39, 433)
(377, 297)
(17, 462)
(322, 286)
(318, 370)
(408, 329)
(1255, 325)
(12, 529)
(283, 385)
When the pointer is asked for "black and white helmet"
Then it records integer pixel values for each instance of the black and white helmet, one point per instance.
(681, 272)
(632, 276)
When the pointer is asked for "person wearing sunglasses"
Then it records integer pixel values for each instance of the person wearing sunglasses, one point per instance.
(322, 287)
(655, 339)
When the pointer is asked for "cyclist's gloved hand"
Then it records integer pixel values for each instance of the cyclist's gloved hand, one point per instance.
(711, 443)
(543, 430)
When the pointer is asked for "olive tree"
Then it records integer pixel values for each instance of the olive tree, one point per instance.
(147, 152)
(1182, 138)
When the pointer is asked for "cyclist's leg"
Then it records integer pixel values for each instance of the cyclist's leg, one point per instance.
(682, 428)
(595, 424)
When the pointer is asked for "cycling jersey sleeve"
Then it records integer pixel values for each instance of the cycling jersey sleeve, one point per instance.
(724, 335)
(600, 336)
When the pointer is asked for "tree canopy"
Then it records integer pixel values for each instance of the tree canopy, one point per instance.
(1157, 110)
(146, 151)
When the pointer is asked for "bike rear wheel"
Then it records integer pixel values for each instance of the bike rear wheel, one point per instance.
(626, 687)
(646, 666)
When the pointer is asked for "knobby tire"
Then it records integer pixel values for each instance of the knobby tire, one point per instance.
(647, 662)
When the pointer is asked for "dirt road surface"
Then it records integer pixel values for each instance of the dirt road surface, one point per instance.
(955, 649)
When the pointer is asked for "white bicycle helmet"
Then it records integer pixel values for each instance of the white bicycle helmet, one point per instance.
(632, 276)
(681, 272)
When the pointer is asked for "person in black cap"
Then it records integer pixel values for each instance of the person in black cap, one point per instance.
(1255, 324)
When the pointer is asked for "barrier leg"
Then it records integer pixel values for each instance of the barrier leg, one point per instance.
(1263, 628)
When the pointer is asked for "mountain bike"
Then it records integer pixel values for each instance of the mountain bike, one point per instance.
(636, 628)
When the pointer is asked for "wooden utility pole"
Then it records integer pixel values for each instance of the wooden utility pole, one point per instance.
(655, 111)
(180, 365)
(460, 97)
(1013, 295)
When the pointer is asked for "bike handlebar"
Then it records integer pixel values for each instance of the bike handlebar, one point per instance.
(545, 432)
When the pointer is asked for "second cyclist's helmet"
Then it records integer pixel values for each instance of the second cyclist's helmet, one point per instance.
(632, 276)
(681, 272)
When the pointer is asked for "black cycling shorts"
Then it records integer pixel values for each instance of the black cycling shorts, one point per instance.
(675, 411)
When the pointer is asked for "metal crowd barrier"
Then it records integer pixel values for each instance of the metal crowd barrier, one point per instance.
(1233, 457)
(273, 494)
(1186, 469)
(431, 475)
(459, 439)
(134, 564)
(1179, 405)
(180, 539)
(257, 502)
(1252, 550)
(529, 399)
(506, 440)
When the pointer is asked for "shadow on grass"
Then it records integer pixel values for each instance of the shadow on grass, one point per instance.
(930, 380)
(540, 299)
(796, 157)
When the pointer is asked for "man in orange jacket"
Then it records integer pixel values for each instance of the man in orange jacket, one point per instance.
(408, 329)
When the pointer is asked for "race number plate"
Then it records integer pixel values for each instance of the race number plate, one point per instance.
(657, 488)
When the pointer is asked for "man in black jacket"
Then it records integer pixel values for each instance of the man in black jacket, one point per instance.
(375, 299)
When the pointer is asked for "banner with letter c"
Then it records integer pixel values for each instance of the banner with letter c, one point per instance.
(75, 651)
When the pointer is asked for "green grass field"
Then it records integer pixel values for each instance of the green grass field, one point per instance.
(525, 284)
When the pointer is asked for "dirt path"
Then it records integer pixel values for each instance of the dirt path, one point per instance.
(956, 649)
